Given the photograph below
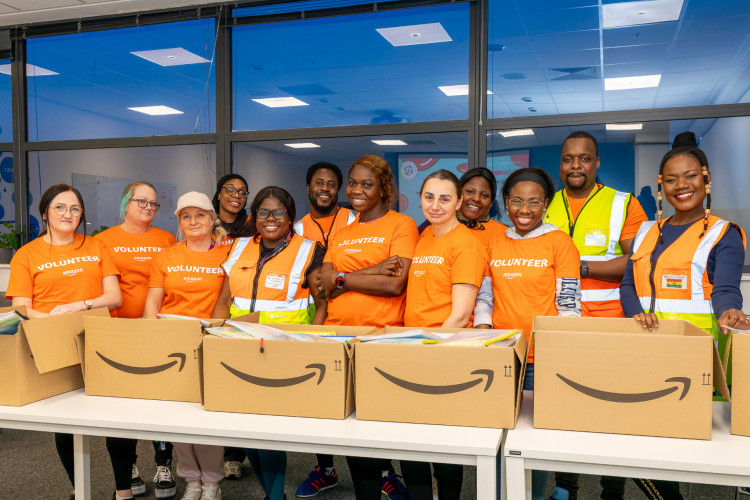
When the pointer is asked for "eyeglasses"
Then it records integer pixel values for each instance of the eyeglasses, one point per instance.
(153, 205)
(232, 191)
(534, 205)
(61, 209)
(278, 214)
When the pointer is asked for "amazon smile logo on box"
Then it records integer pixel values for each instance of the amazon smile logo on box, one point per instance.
(318, 369)
(623, 397)
(486, 376)
(146, 370)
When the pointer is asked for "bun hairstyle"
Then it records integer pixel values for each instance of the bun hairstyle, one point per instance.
(685, 144)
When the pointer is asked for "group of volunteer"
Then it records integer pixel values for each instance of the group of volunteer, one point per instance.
(586, 250)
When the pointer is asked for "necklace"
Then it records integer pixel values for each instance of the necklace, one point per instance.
(55, 248)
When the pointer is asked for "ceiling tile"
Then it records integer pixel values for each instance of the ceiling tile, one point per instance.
(558, 21)
(635, 53)
(573, 58)
(708, 46)
(572, 40)
(640, 35)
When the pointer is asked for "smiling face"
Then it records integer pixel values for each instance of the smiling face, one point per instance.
(134, 214)
(232, 204)
(64, 223)
(439, 201)
(517, 203)
(578, 166)
(477, 198)
(272, 229)
(363, 189)
(195, 223)
(323, 191)
(684, 188)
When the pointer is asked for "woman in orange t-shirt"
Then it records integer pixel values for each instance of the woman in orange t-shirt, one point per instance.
(62, 272)
(444, 279)
(478, 191)
(186, 280)
(134, 245)
(364, 274)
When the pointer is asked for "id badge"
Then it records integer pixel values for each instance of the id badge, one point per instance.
(595, 238)
(275, 281)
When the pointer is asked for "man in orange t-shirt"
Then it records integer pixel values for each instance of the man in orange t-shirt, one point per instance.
(191, 280)
(438, 264)
(326, 217)
(134, 253)
(363, 245)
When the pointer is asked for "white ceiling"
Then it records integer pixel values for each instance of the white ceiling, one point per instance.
(23, 12)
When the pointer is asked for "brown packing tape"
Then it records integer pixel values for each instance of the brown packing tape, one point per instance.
(727, 349)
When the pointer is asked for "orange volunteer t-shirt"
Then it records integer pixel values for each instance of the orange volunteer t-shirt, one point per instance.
(523, 277)
(134, 253)
(60, 274)
(438, 264)
(359, 246)
(191, 280)
(491, 228)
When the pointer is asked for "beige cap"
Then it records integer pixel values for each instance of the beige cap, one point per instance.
(194, 199)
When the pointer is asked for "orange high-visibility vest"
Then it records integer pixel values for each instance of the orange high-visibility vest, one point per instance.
(275, 290)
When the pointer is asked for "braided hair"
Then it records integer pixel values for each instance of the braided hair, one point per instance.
(684, 144)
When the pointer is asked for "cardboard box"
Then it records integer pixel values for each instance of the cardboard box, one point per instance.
(301, 379)
(739, 346)
(448, 385)
(611, 375)
(142, 358)
(41, 360)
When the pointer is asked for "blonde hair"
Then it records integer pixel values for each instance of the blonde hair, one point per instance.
(127, 195)
(218, 232)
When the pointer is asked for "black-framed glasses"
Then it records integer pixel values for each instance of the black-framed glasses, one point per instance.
(278, 214)
(232, 191)
(153, 205)
(61, 208)
(534, 205)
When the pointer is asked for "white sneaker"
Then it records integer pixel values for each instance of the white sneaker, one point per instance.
(232, 469)
(164, 485)
(193, 491)
(137, 486)
(211, 491)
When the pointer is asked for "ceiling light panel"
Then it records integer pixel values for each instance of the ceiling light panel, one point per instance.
(156, 110)
(302, 145)
(31, 70)
(280, 102)
(416, 34)
(170, 57)
(389, 142)
(451, 90)
(632, 82)
(624, 126)
(516, 133)
(619, 15)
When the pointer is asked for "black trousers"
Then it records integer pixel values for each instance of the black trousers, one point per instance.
(163, 453)
(418, 479)
(367, 475)
(123, 456)
(613, 488)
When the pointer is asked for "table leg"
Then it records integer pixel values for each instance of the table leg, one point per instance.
(486, 478)
(517, 479)
(82, 461)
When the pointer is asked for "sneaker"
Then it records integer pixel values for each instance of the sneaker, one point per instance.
(393, 488)
(137, 486)
(743, 490)
(193, 491)
(232, 469)
(316, 482)
(164, 486)
(114, 496)
(211, 491)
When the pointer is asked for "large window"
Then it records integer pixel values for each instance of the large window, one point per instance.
(152, 80)
(410, 156)
(102, 174)
(548, 57)
(630, 159)
(400, 66)
(6, 104)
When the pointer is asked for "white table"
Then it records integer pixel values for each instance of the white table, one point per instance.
(725, 459)
(85, 416)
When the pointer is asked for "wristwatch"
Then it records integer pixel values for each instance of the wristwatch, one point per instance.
(88, 304)
(340, 280)
(584, 268)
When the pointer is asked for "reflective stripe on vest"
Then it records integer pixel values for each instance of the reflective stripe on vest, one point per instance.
(677, 306)
(239, 247)
(298, 227)
(700, 259)
(600, 294)
(642, 231)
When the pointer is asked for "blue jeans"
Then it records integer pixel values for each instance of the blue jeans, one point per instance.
(270, 469)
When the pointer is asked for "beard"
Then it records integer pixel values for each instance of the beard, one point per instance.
(323, 209)
(582, 184)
